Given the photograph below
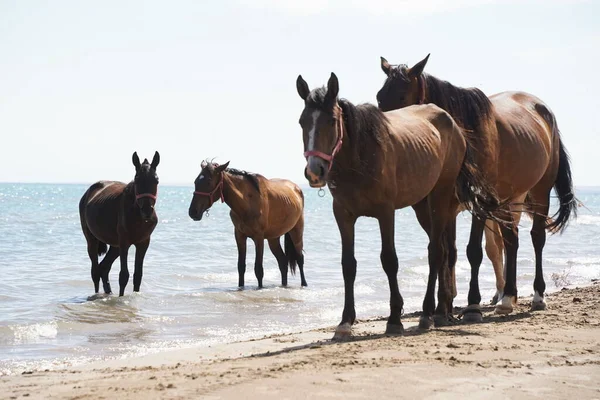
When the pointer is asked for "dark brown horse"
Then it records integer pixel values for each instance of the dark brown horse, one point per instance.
(520, 152)
(375, 163)
(119, 215)
(261, 209)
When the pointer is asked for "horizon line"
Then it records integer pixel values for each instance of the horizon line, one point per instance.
(180, 184)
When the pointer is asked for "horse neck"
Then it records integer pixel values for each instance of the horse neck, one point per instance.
(129, 194)
(128, 201)
(233, 193)
(347, 165)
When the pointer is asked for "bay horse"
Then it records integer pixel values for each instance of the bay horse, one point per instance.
(375, 163)
(520, 152)
(120, 215)
(261, 209)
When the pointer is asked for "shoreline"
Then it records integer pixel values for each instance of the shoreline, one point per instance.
(501, 355)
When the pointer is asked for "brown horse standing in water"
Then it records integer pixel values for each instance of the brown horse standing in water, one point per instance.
(375, 163)
(261, 209)
(120, 215)
(520, 152)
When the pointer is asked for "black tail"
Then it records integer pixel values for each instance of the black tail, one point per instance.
(290, 253)
(472, 189)
(102, 248)
(563, 185)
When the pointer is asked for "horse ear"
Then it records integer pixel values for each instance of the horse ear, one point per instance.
(155, 160)
(203, 164)
(222, 168)
(418, 68)
(136, 160)
(385, 66)
(333, 87)
(302, 88)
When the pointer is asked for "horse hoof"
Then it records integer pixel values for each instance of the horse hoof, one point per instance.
(97, 296)
(538, 306)
(343, 331)
(394, 329)
(506, 306)
(425, 323)
(441, 320)
(472, 314)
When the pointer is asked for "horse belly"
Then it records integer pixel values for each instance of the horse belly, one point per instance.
(280, 225)
(416, 181)
(102, 225)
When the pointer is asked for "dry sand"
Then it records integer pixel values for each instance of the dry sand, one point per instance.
(552, 354)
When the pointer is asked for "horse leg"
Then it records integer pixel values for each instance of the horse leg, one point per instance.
(296, 234)
(437, 255)
(346, 222)
(510, 234)
(259, 243)
(511, 247)
(124, 274)
(140, 253)
(494, 248)
(240, 240)
(92, 249)
(472, 312)
(444, 310)
(282, 261)
(106, 265)
(538, 237)
(389, 261)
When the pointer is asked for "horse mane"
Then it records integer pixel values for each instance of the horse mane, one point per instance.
(365, 126)
(252, 177)
(469, 107)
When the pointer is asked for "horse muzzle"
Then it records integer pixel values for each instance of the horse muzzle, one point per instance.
(316, 172)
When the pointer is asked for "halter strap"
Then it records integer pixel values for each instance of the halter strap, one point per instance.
(338, 145)
(149, 195)
(422, 88)
(210, 194)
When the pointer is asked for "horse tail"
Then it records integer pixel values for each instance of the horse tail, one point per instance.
(291, 253)
(472, 189)
(563, 186)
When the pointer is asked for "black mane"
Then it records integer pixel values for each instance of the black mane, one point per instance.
(365, 125)
(469, 107)
(252, 177)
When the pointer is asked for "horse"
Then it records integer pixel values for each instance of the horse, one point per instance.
(120, 215)
(261, 209)
(519, 151)
(375, 163)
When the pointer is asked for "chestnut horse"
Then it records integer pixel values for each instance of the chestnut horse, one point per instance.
(375, 163)
(520, 152)
(261, 209)
(119, 215)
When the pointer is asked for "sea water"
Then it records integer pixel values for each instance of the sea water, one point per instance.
(189, 294)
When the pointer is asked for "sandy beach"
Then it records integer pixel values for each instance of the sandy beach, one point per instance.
(552, 354)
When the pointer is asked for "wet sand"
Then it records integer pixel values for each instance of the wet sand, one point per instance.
(552, 354)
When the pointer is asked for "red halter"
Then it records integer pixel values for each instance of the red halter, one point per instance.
(210, 194)
(149, 195)
(338, 145)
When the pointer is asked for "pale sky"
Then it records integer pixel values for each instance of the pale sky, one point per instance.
(84, 84)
